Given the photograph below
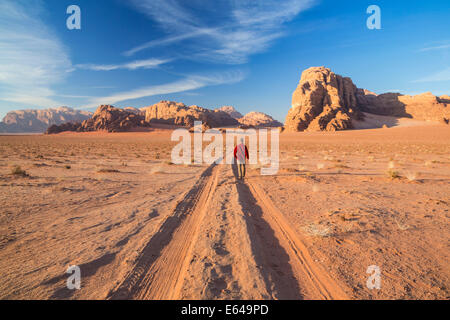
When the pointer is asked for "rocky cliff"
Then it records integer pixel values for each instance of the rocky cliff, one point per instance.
(106, 118)
(325, 101)
(259, 119)
(425, 106)
(37, 121)
(175, 113)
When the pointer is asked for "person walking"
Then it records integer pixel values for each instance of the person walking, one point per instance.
(241, 155)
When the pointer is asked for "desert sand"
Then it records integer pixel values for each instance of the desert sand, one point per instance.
(142, 228)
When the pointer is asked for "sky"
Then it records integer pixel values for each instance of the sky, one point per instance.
(245, 53)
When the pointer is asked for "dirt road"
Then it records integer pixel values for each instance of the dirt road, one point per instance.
(226, 240)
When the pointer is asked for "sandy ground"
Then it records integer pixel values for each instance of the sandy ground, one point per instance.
(141, 228)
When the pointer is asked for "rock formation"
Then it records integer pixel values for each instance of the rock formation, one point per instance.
(174, 113)
(259, 119)
(424, 106)
(37, 121)
(231, 111)
(323, 101)
(106, 118)
(69, 126)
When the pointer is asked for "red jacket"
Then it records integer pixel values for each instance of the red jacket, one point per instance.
(246, 152)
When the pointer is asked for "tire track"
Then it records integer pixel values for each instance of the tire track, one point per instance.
(312, 280)
(268, 252)
(222, 265)
(160, 269)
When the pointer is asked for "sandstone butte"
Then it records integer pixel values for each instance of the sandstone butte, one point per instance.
(325, 101)
(106, 118)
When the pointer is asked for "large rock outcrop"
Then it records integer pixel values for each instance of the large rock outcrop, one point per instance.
(259, 119)
(37, 121)
(106, 118)
(424, 106)
(323, 101)
(65, 127)
(175, 113)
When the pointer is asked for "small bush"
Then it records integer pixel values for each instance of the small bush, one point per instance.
(411, 176)
(317, 230)
(393, 174)
(402, 226)
(18, 171)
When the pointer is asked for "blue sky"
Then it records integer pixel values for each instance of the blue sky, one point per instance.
(244, 53)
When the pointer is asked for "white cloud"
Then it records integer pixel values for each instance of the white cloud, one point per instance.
(440, 76)
(32, 59)
(168, 40)
(139, 64)
(187, 84)
(445, 46)
(223, 30)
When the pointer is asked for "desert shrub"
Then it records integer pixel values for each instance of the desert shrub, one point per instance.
(393, 174)
(411, 176)
(317, 230)
(18, 171)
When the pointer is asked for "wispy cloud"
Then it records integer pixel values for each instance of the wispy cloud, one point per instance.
(440, 76)
(168, 40)
(73, 96)
(441, 47)
(225, 30)
(32, 59)
(189, 83)
(139, 64)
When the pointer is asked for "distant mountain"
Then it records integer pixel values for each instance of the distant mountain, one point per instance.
(111, 119)
(176, 113)
(106, 118)
(259, 119)
(231, 111)
(37, 121)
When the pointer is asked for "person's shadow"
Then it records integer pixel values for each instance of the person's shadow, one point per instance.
(235, 169)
